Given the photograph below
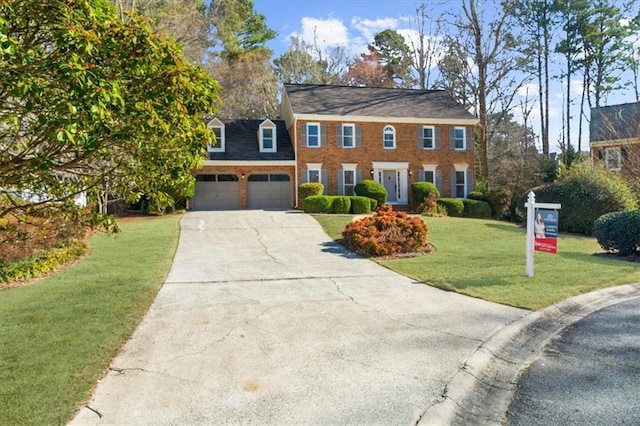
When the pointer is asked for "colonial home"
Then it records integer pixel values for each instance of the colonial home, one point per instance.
(339, 135)
(614, 135)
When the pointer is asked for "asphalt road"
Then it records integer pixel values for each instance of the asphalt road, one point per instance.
(588, 375)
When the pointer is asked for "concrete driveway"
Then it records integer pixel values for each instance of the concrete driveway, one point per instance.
(263, 319)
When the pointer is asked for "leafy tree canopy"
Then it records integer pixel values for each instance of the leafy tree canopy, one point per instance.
(88, 102)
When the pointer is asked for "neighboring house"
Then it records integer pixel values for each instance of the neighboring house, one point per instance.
(340, 135)
(614, 135)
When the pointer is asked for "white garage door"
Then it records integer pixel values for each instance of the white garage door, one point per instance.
(269, 191)
(217, 192)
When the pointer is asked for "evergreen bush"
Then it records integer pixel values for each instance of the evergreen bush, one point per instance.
(477, 209)
(341, 205)
(619, 231)
(421, 190)
(360, 205)
(318, 204)
(453, 206)
(372, 189)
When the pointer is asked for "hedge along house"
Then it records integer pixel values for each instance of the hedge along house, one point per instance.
(344, 134)
(250, 166)
(338, 136)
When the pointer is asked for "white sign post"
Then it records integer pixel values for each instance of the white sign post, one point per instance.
(531, 207)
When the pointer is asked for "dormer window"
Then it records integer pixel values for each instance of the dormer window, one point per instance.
(217, 135)
(267, 136)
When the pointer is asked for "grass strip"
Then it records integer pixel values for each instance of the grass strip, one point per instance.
(486, 259)
(58, 335)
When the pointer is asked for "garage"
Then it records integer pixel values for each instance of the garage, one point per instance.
(269, 191)
(217, 192)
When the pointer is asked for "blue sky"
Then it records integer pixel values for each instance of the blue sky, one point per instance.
(353, 23)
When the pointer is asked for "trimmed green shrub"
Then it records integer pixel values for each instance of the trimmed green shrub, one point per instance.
(373, 204)
(477, 195)
(360, 205)
(318, 204)
(341, 205)
(372, 189)
(477, 209)
(420, 190)
(619, 231)
(453, 206)
(310, 188)
(386, 233)
(586, 193)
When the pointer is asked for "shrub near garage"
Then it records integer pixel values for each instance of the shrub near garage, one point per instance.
(619, 231)
(386, 233)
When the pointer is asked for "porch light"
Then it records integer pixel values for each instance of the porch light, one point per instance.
(410, 173)
(242, 176)
(371, 172)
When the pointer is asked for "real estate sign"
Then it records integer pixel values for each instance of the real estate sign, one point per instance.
(542, 229)
(546, 231)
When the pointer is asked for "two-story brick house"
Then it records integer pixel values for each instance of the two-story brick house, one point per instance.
(339, 135)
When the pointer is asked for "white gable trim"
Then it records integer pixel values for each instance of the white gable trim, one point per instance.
(387, 119)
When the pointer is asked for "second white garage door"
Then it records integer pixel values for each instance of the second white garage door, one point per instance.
(269, 191)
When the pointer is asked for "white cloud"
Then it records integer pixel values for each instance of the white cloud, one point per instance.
(370, 27)
(412, 38)
(529, 89)
(325, 33)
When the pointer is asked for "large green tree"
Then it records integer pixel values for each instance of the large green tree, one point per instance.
(88, 102)
(395, 57)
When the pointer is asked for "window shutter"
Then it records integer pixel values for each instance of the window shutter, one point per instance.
(439, 181)
(452, 181)
(420, 143)
(437, 138)
(303, 135)
(358, 136)
(452, 142)
(323, 135)
(469, 181)
(323, 179)
(358, 175)
(600, 154)
(468, 143)
(339, 135)
(305, 176)
(340, 182)
(624, 153)
(421, 175)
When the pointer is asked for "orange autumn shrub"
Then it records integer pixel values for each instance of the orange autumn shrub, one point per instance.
(386, 233)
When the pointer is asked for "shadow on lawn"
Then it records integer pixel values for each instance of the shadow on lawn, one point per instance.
(511, 227)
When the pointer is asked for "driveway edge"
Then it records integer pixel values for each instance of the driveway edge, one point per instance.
(482, 389)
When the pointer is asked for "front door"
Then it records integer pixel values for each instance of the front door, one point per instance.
(390, 182)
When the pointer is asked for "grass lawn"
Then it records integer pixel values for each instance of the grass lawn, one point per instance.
(486, 259)
(58, 335)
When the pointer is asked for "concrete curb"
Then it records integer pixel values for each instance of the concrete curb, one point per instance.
(482, 389)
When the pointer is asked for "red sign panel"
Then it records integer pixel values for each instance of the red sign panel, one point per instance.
(547, 245)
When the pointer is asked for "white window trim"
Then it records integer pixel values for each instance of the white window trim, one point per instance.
(462, 167)
(319, 135)
(393, 133)
(217, 124)
(464, 138)
(348, 167)
(314, 167)
(433, 137)
(607, 152)
(430, 168)
(268, 124)
(353, 135)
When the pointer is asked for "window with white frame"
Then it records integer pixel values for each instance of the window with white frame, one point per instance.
(314, 173)
(612, 158)
(389, 137)
(348, 136)
(348, 179)
(313, 135)
(429, 174)
(459, 136)
(267, 136)
(428, 137)
(217, 136)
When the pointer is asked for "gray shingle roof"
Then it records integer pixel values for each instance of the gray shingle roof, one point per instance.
(374, 101)
(242, 144)
(615, 122)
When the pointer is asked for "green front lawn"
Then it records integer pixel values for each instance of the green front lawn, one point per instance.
(486, 259)
(58, 335)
